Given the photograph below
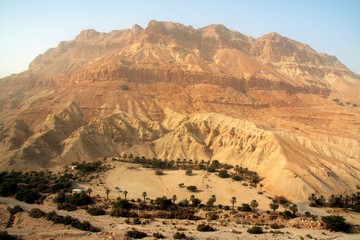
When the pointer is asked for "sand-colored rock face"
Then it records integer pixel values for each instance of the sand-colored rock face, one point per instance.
(170, 91)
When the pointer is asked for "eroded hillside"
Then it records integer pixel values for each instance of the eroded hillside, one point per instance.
(171, 91)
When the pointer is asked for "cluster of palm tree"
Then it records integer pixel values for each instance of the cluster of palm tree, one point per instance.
(341, 201)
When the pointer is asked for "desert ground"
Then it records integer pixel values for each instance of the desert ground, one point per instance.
(135, 179)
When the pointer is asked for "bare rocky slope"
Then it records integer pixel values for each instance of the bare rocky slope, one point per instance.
(171, 91)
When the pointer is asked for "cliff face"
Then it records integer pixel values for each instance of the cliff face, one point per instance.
(171, 91)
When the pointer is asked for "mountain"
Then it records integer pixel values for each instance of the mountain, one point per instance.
(170, 91)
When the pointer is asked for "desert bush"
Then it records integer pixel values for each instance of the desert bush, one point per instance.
(212, 216)
(189, 172)
(255, 230)
(66, 206)
(211, 169)
(205, 228)
(136, 221)
(245, 207)
(307, 214)
(183, 213)
(124, 87)
(163, 203)
(192, 188)
(8, 188)
(36, 213)
(184, 203)
(356, 208)
(159, 172)
(336, 223)
(236, 178)
(79, 199)
(276, 226)
(135, 234)
(158, 236)
(287, 214)
(280, 200)
(120, 212)
(6, 236)
(68, 220)
(123, 204)
(179, 235)
(60, 197)
(96, 211)
(27, 195)
(224, 174)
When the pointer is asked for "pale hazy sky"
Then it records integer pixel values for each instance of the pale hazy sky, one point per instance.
(30, 27)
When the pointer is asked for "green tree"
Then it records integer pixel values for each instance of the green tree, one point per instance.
(336, 223)
(211, 201)
(254, 204)
(274, 206)
(294, 209)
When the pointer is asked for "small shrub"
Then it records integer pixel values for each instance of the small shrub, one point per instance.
(189, 172)
(159, 172)
(255, 230)
(158, 236)
(124, 87)
(135, 234)
(205, 228)
(276, 226)
(67, 207)
(79, 199)
(245, 207)
(236, 178)
(95, 211)
(356, 208)
(36, 213)
(192, 188)
(27, 195)
(5, 236)
(122, 204)
(280, 200)
(136, 221)
(224, 174)
(179, 235)
(212, 216)
(307, 214)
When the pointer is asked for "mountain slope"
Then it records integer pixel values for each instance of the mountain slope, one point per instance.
(171, 91)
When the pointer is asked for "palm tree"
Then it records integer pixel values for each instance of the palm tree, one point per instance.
(254, 204)
(274, 206)
(293, 208)
(125, 193)
(233, 201)
(192, 199)
(174, 198)
(144, 194)
(89, 191)
(107, 191)
(312, 198)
